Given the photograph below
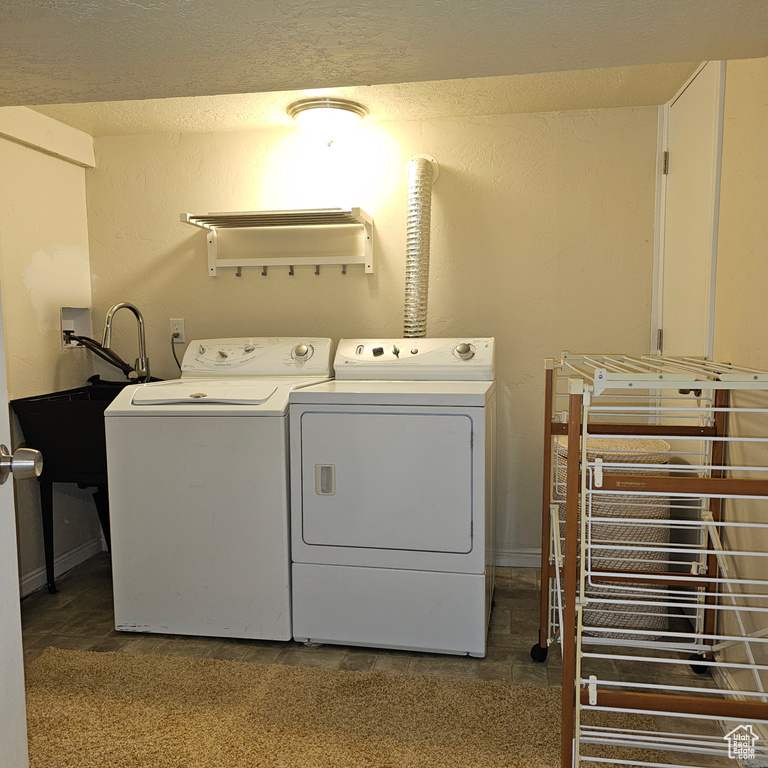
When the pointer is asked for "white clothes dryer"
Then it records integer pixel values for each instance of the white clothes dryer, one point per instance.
(392, 512)
(198, 490)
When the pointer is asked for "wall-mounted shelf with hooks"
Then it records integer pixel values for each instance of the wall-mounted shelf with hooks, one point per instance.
(304, 247)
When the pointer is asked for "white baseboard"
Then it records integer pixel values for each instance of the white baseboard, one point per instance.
(64, 562)
(518, 557)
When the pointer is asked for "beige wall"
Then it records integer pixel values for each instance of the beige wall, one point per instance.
(742, 291)
(43, 265)
(742, 277)
(542, 237)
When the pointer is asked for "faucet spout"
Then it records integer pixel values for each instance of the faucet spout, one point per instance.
(141, 366)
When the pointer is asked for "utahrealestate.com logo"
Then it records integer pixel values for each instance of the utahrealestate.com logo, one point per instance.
(741, 743)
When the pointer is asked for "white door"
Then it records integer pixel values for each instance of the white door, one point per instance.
(689, 201)
(387, 481)
(13, 719)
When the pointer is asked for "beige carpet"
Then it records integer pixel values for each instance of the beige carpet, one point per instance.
(113, 710)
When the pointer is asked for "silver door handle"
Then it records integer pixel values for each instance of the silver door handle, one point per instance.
(24, 464)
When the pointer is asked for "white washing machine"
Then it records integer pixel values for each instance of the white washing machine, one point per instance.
(392, 483)
(198, 490)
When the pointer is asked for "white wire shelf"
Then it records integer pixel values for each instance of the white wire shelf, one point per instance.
(321, 220)
(603, 372)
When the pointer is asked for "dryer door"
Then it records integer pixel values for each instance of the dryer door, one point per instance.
(387, 481)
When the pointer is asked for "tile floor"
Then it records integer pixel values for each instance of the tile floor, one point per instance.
(80, 617)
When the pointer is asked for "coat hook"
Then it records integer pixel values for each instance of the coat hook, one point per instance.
(343, 269)
(239, 272)
(317, 269)
(290, 269)
(263, 271)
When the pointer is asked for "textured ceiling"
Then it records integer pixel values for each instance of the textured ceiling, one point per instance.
(60, 51)
(583, 89)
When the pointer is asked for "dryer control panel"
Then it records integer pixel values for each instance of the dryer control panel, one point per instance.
(460, 359)
(257, 356)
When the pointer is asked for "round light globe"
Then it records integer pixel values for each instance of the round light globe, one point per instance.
(327, 119)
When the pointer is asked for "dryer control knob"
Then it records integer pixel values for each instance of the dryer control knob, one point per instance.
(464, 351)
(302, 352)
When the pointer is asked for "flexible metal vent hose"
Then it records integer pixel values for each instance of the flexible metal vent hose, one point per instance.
(422, 172)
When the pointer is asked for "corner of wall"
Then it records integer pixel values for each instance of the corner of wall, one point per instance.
(44, 134)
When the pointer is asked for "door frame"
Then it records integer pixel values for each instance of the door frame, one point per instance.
(36, 133)
(13, 713)
(662, 143)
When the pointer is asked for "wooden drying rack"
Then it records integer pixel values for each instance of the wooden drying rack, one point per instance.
(590, 376)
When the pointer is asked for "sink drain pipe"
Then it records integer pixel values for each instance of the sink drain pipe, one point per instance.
(422, 172)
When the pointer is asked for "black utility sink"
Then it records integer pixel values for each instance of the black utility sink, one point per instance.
(68, 429)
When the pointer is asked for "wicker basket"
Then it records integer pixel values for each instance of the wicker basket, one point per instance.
(625, 615)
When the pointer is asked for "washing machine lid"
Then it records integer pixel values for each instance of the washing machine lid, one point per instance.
(254, 396)
(205, 392)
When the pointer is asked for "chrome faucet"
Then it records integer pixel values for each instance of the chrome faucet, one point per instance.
(141, 366)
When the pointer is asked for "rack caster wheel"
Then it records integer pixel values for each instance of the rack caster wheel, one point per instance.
(539, 654)
(696, 666)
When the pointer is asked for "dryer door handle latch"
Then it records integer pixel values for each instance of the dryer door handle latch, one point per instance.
(325, 479)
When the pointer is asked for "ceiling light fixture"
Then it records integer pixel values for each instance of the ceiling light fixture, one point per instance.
(327, 118)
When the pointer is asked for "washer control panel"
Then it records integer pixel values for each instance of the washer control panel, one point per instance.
(252, 356)
(462, 359)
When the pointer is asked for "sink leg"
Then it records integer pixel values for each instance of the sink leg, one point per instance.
(101, 499)
(46, 505)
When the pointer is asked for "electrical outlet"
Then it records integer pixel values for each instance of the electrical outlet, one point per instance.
(177, 330)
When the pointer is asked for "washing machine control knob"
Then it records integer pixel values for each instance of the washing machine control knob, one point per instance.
(302, 352)
(248, 348)
(464, 351)
(222, 354)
